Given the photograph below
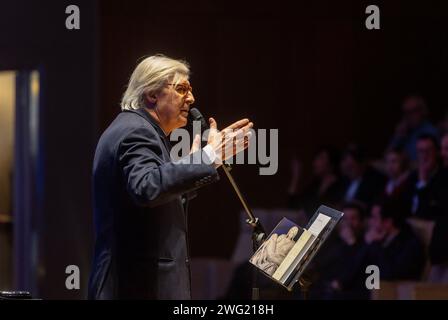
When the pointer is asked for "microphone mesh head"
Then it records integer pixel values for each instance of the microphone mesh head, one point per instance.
(196, 115)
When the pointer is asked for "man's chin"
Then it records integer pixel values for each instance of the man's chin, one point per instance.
(182, 122)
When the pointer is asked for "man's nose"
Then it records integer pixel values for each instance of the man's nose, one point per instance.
(190, 98)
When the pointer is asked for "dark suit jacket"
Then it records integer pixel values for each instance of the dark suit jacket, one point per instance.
(140, 198)
(433, 198)
(433, 205)
(401, 259)
(370, 188)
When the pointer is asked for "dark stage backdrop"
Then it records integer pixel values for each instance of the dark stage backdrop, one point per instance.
(33, 36)
(310, 70)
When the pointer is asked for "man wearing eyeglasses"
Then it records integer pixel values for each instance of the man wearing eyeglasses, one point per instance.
(141, 194)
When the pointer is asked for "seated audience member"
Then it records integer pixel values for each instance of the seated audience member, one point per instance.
(428, 184)
(392, 246)
(438, 251)
(397, 173)
(361, 182)
(346, 273)
(414, 123)
(325, 187)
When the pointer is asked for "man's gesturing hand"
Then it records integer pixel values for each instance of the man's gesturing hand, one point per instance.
(229, 141)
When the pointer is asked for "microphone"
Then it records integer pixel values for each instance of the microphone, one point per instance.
(196, 115)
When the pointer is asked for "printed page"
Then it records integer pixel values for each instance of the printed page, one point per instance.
(319, 224)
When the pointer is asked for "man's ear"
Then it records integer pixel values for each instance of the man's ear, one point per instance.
(151, 98)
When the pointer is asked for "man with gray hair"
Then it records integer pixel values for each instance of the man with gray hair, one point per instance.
(141, 194)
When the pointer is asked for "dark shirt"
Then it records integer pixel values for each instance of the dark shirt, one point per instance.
(430, 200)
(341, 262)
(370, 187)
(400, 258)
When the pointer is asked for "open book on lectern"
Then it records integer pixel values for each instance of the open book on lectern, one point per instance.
(289, 248)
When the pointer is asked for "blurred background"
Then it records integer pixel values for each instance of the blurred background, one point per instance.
(362, 119)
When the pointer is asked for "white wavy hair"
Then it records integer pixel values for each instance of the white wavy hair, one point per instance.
(150, 76)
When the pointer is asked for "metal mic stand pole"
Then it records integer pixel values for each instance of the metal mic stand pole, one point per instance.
(258, 233)
(258, 237)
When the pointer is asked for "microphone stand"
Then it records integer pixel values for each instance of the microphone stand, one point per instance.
(258, 237)
(258, 232)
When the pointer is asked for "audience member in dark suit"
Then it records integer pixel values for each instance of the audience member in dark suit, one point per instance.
(361, 182)
(438, 252)
(344, 276)
(392, 246)
(437, 249)
(325, 188)
(428, 193)
(397, 173)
